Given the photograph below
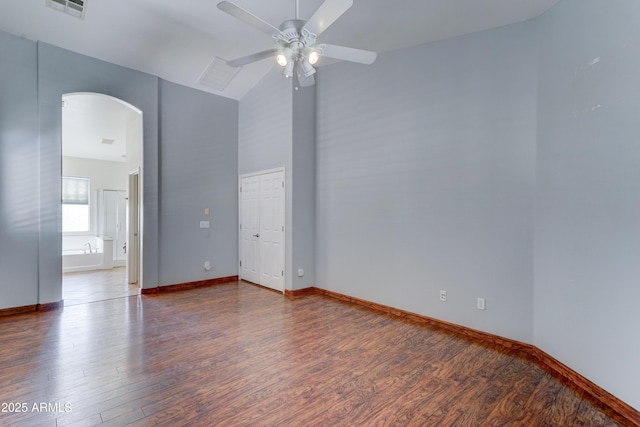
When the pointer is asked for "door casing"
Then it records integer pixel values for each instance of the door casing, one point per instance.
(251, 249)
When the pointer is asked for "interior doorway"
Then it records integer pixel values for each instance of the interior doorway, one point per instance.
(262, 228)
(101, 202)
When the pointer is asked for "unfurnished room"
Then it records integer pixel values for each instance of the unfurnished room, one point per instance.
(320, 213)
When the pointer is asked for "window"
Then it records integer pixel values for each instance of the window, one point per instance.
(75, 204)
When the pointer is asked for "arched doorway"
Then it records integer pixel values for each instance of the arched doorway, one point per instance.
(102, 160)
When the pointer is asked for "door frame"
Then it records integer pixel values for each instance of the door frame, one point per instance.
(284, 216)
(137, 170)
(134, 260)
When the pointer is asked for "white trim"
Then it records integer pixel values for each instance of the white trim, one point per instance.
(138, 171)
(113, 98)
(264, 172)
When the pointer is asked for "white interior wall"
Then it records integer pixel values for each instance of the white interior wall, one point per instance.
(133, 132)
(103, 175)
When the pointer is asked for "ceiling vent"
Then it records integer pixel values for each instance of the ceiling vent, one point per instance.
(218, 74)
(70, 7)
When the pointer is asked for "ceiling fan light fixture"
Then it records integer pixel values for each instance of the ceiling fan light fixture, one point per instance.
(281, 59)
(307, 68)
(288, 69)
(313, 57)
(284, 57)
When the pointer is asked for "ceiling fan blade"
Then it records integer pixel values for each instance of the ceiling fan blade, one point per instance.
(247, 17)
(326, 15)
(348, 54)
(239, 62)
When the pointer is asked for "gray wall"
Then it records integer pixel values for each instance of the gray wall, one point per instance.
(33, 78)
(303, 193)
(425, 175)
(277, 129)
(199, 164)
(61, 71)
(265, 120)
(19, 179)
(265, 140)
(588, 186)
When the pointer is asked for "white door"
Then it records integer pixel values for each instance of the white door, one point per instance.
(250, 229)
(113, 213)
(272, 230)
(262, 211)
(120, 239)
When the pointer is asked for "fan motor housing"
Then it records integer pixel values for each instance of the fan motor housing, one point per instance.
(295, 24)
(290, 31)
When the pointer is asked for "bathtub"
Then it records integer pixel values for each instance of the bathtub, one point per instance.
(77, 260)
(80, 259)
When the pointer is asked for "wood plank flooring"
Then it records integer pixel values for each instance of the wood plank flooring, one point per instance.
(90, 286)
(239, 355)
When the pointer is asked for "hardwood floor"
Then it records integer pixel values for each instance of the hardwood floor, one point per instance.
(239, 355)
(99, 285)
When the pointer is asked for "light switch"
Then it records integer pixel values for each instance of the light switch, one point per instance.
(204, 224)
(206, 211)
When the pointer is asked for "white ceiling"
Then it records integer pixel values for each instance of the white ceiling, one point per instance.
(89, 120)
(177, 39)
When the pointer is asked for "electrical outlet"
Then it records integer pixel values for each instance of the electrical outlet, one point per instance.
(207, 266)
(481, 305)
(443, 296)
(300, 272)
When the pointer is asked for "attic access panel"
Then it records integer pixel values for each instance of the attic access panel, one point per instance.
(74, 8)
(218, 74)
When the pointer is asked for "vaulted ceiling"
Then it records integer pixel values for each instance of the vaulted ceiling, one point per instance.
(178, 40)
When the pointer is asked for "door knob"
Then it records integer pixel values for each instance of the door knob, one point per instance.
(256, 235)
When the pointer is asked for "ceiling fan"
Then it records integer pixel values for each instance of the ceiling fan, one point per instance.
(296, 48)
